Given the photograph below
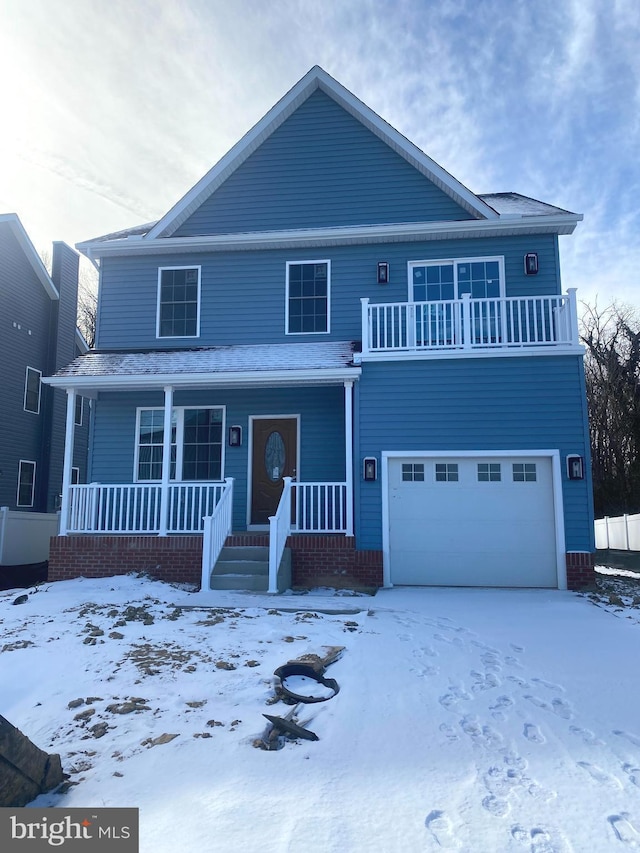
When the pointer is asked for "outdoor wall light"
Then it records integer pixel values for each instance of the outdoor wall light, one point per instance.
(575, 467)
(531, 263)
(370, 469)
(235, 436)
(383, 272)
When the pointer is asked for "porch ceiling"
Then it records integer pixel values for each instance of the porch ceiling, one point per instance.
(328, 363)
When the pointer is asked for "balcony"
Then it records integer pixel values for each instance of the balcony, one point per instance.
(519, 325)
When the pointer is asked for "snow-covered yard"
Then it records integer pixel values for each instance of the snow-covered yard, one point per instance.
(471, 720)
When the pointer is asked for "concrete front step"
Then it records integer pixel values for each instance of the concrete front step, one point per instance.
(242, 567)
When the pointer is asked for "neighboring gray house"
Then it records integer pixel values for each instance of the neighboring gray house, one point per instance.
(38, 336)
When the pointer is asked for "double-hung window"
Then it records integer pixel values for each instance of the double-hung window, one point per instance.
(196, 444)
(32, 390)
(308, 297)
(178, 302)
(26, 483)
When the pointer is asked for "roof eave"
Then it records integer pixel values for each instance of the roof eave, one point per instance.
(17, 229)
(308, 237)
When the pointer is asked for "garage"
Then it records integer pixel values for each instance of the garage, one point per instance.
(465, 520)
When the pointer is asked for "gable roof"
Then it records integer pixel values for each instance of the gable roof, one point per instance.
(315, 79)
(12, 221)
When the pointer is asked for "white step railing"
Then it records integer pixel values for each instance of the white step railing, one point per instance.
(469, 324)
(216, 528)
(279, 530)
(136, 507)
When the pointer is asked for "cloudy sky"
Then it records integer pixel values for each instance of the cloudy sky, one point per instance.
(113, 109)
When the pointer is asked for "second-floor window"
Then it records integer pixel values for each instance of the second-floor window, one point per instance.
(436, 281)
(196, 444)
(308, 297)
(178, 302)
(32, 390)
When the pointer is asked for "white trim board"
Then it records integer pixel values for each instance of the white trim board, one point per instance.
(553, 455)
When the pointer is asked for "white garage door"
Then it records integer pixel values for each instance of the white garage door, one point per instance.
(472, 521)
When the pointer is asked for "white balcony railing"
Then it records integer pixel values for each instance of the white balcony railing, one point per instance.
(320, 508)
(469, 324)
(137, 508)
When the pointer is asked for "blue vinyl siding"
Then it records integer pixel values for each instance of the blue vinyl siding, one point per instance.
(321, 413)
(321, 167)
(239, 287)
(474, 404)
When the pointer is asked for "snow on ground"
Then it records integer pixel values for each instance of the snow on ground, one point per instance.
(467, 719)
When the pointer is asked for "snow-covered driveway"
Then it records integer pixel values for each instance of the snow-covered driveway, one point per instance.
(472, 720)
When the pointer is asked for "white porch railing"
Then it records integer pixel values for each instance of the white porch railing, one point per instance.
(279, 530)
(216, 528)
(320, 508)
(469, 324)
(136, 507)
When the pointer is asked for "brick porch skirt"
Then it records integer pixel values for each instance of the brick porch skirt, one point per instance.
(322, 560)
(316, 560)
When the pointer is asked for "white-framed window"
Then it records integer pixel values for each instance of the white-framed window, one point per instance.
(197, 448)
(447, 472)
(79, 415)
(75, 476)
(441, 280)
(308, 297)
(524, 472)
(26, 482)
(32, 386)
(489, 472)
(178, 302)
(413, 472)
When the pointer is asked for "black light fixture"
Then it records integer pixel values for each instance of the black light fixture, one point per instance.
(575, 467)
(383, 272)
(235, 436)
(531, 263)
(370, 469)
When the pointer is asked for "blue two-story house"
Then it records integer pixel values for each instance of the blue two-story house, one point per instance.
(333, 350)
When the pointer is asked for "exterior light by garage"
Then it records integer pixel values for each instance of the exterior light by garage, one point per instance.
(235, 436)
(575, 467)
(383, 272)
(531, 263)
(370, 469)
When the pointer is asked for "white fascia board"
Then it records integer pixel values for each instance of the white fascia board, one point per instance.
(330, 376)
(29, 250)
(512, 352)
(343, 235)
(316, 78)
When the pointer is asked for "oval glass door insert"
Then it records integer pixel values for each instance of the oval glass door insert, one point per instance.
(274, 457)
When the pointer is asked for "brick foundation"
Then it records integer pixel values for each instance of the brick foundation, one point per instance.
(580, 569)
(333, 561)
(177, 559)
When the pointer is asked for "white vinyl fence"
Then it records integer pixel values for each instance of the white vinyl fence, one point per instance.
(24, 536)
(621, 533)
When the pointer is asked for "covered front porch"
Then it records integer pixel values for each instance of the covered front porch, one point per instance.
(275, 447)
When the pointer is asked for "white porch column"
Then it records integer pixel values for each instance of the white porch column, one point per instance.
(348, 450)
(166, 461)
(68, 461)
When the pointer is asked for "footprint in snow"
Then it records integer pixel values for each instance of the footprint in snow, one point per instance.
(634, 739)
(539, 703)
(599, 775)
(539, 839)
(516, 648)
(562, 709)
(624, 830)
(586, 736)
(519, 681)
(548, 684)
(511, 661)
(533, 733)
(449, 732)
(440, 828)
(633, 773)
(495, 806)
(484, 681)
(491, 661)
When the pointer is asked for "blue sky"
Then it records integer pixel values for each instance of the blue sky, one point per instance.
(113, 109)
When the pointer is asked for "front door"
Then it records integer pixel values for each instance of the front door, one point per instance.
(274, 456)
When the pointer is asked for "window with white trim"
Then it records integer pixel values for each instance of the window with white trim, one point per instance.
(79, 414)
(446, 472)
(524, 472)
(435, 281)
(196, 444)
(308, 297)
(26, 482)
(489, 472)
(413, 472)
(32, 386)
(75, 476)
(178, 302)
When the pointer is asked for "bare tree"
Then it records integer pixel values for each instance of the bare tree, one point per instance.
(612, 369)
(87, 302)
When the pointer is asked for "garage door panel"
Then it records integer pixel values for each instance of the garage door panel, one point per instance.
(472, 531)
